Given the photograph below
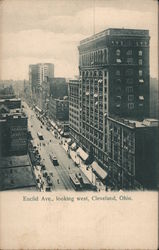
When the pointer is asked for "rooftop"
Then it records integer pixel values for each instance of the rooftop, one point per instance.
(14, 161)
(16, 172)
(74, 81)
(149, 122)
(17, 177)
(116, 32)
(10, 100)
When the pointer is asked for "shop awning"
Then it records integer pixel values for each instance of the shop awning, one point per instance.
(73, 146)
(38, 109)
(53, 124)
(103, 174)
(69, 141)
(82, 154)
(141, 80)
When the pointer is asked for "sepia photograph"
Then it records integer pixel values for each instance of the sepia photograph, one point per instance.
(78, 97)
(79, 108)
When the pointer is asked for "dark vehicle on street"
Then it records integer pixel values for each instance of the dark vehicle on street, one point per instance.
(48, 189)
(40, 136)
(54, 160)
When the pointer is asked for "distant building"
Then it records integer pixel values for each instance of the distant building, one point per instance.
(59, 109)
(58, 87)
(6, 92)
(74, 109)
(39, 73)
(39, 79)
(14, 103)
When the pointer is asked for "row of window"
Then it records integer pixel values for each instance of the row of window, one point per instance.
(130, 60)
(93, 73)
(130, 43)
(129, 81)
(129, 72)
(130, 105)
(128, 52)
(99, 56)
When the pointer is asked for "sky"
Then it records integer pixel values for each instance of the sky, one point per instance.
(38, 31)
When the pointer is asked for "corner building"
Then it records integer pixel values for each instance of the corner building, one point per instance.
(114, 81)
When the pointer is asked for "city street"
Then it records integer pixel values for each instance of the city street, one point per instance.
(51, 145)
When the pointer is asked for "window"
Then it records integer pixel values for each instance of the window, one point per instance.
(118, 52)
(118, 60)
(130, 98)
(140, 72)
(129, 81)
(140, 62)
(129, 53)
(130, 105)
(118, 81)
(129, 89)
(130, 60)
(117, 72)
(129, 72)
(141, 105)
(118, 98)
(118, 90)
(140, 52)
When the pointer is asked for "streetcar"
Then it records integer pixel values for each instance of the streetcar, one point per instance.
(54, 160)
(75, 182)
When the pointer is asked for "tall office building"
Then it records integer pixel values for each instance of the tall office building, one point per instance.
(39, 73)
(113, 85)
(40, 76)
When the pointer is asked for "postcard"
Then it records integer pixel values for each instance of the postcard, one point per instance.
(79, 124)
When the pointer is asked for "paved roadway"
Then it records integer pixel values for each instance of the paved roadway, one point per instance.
(66, 165)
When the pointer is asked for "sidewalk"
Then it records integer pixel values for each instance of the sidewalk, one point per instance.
(86, 169)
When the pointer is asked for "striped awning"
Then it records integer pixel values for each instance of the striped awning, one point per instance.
(98, 170)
